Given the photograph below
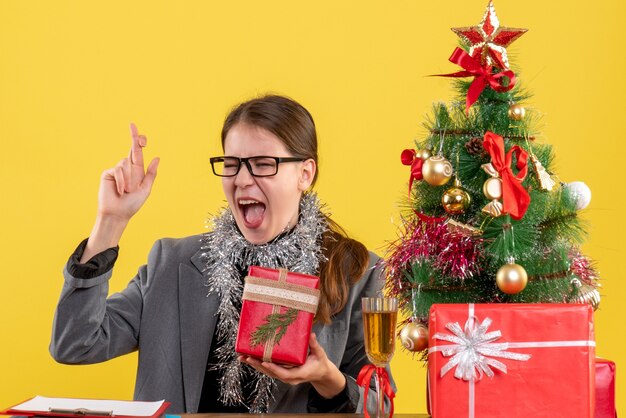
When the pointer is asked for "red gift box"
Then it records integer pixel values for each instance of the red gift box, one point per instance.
(605, 389)
(277, 315)
(511, 360)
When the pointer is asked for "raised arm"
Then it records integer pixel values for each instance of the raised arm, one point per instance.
(123, 190)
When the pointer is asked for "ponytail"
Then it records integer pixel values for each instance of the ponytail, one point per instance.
(347, 260)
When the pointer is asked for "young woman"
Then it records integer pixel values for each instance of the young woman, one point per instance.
(182, 309)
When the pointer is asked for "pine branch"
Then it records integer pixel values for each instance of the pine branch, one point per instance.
(473, 132)
(562, 221)
(275, 324)
(564, 218)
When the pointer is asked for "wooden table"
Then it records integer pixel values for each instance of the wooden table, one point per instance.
(296, 415)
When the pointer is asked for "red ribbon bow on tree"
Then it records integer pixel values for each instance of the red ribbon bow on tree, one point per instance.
(408, 158)
(482, 76)
(515, 199)
(363, 380)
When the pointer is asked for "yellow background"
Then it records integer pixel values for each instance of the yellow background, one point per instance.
(73, 74)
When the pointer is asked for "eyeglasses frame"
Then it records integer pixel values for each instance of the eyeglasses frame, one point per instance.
(245, 161)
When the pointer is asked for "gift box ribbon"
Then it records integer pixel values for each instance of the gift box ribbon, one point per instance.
(473, 351)
(279, 293)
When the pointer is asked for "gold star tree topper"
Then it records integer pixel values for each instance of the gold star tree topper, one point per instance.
(488, 40)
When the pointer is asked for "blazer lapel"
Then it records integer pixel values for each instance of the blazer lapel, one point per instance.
(197, 325)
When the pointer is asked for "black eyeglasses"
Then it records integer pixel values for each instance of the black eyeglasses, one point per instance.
(260, 166)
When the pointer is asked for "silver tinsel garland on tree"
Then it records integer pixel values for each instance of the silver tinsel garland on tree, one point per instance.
(225, 252)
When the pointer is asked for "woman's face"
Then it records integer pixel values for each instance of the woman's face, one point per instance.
(264, 206)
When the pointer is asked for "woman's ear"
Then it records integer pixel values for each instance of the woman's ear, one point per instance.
(307, 174)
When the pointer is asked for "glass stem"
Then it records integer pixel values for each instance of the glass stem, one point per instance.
(381, 395)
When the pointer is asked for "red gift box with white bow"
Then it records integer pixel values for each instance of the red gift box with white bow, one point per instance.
(511, 360)
(277, 315)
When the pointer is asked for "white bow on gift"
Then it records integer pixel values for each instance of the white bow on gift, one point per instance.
(473, 350)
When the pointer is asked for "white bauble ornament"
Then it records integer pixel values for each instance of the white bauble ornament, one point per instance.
(581, 193)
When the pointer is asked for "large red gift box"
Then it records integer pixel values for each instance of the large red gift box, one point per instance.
(277, 315)
(511, 360)
(605, 389)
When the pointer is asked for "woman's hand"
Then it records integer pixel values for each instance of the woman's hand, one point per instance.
(125, 187)
(123, 190)
(318, 370)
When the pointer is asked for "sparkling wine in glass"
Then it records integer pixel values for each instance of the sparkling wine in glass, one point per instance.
(379, 328)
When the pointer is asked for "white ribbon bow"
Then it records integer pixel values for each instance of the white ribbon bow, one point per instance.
(471, 350)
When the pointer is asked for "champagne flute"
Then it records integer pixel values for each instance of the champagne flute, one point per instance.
(379, 328)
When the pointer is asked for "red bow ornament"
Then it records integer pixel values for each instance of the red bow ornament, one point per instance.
(363, 380)
(482, 76)
(409, 157)
(515, 199)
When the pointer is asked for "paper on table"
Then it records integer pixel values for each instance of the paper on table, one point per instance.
(128, 408)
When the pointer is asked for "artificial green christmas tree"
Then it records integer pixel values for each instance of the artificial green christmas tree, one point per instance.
(487, 219)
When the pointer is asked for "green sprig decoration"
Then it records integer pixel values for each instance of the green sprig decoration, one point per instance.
(275, 325)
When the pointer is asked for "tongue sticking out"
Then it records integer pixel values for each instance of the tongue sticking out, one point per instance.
(253, 214)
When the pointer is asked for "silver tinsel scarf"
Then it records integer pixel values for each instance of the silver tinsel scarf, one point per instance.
(225, 252)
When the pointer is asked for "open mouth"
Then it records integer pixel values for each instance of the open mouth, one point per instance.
(253, 212)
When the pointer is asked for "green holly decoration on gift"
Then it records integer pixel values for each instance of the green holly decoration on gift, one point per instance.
(275, 326)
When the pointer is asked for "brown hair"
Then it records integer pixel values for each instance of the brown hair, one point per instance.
(294, 126)
(284, 117)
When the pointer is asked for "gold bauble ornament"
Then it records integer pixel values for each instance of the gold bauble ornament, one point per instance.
(456, 200)
(511, 278)
(422, 154)
(436, 170)
(414, 337)
(517, 112)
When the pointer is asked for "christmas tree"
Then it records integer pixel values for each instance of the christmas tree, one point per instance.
(487, 219)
